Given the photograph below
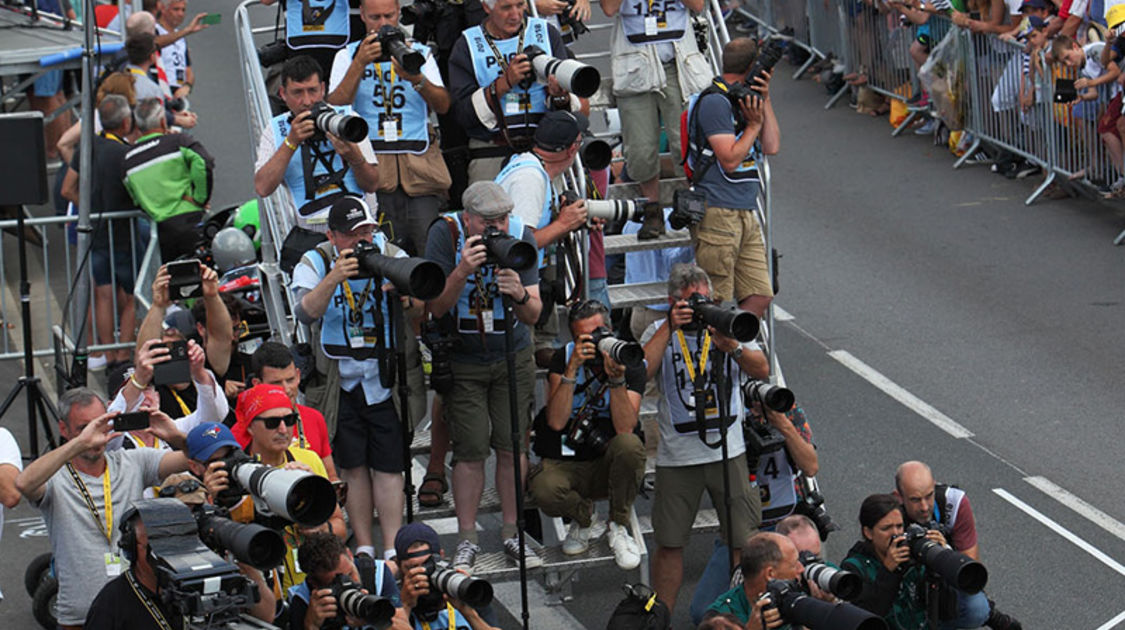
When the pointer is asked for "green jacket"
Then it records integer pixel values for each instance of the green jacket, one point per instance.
(168, 174)
(898, 597)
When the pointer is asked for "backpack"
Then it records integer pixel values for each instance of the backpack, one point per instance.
(640, 610)
(689, 118)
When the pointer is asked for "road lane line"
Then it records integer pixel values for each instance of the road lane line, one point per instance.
(781, 314)
(1112, 623)
(1061, 531)
(1072, 501)
(892, 389)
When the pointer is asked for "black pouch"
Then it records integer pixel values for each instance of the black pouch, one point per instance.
(688, 207)
(296, 243)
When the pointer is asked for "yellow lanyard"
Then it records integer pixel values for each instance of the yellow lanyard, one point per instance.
(107, 494)
(687, 353)
(388, 90)
(151, 607)
(452, 624)
(183, 406)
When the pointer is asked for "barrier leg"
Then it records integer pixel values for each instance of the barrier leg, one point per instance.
(904, 124)
(968, 154)
(835, 97)
(1042, 188)
(813, 58)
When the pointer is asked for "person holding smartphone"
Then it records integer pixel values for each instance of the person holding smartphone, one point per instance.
(177, 59)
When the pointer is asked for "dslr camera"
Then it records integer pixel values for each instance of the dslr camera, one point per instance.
(351, 601)
(507, 251)
(799, 608)
(811, 504)
(843, 584)
(770, 53)
(328, 120)
(416, 277)
(446, 581)
(440, 339)
(730, 321)
(627, 353)
(573, 76)
(294, 496)
(393, 42)
(955, 568)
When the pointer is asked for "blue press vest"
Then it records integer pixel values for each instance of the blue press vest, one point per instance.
(302, 592)
(315, 208)
(464, 301)
(529, 160)
(308, 26)
(600, 407)
(747, 169)
(671, 20)
(335, 325)
(522, 108)
(407, 106)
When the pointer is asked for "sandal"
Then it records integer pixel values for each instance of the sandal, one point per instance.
(431, 497)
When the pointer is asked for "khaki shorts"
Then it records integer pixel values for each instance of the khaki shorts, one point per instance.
(730, 248)
(643, 116)
(477, 408)
(678, 490)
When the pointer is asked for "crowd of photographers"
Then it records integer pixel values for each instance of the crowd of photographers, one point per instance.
(431, 231)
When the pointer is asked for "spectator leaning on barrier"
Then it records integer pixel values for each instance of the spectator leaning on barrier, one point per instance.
(478, 406)
(79, 487)
(728, 136)
(11, 463)
(414, 180)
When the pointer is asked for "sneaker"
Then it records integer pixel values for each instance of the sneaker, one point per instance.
(1119, 184)
(578, 538)
(465, 556)
(1000, 621)
(530, 558)
(1028, 169)
(625, 549)
(927, 128)
(980, 157)
(96, 363)
(919, 101)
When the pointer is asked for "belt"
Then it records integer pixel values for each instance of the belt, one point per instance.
(490, 152)
(470, 325)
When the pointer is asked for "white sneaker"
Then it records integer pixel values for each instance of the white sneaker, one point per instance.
(578, 538)
(530, 558)
(465, 556)
(927, 128)
(96, 363)
(625, 549)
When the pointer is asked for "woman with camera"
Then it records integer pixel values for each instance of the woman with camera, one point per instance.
(892, 584)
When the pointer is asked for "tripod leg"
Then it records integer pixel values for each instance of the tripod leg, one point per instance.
(34, 436)
(47, 412)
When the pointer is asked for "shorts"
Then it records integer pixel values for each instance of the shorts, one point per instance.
(1107, 123)
(48, 85)
(678, 490)
(478, 411)
(643, 116)
(367, 435)
(123, 274)
(729, 246)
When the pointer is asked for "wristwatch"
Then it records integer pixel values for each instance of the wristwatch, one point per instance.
(524, 299)
(737, 352)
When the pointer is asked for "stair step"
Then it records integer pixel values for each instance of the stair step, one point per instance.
(630, 295)
(633, 191)
(489, 503)
(625, 243)
(497, 566)
(706, 520)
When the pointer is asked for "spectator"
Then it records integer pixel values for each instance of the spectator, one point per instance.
(992, 14)
(325, 557)
(728, 241)
(1097, 85)
(415, 180)
(173, 46)
(11, 463)
(46, 94)
(765, 556)
(656, 64)
(417, 544)
(478, 405)
(609, 461)
(230, 365)
(169, 176)
(78, 503)
(491, 100)
(143, 54)
(317, 29)
(685, 464)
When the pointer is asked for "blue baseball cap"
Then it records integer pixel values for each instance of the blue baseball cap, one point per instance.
(414, 533)
(1036, 22)
(1033, 4)
(205, 439)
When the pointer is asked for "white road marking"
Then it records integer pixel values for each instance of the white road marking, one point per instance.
(1113, 622)
(1072, 501)
(892, 389)
(1061, 531)
(543, 615)
(781, 314)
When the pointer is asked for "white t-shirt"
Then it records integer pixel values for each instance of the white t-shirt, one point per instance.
(343, 60)
(176, 59)
(10, 455)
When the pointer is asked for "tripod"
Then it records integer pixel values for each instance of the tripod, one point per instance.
(722, 383)
(517, 466)
(398, 323)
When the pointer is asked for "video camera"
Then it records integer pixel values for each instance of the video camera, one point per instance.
(955, 568)
(416, 277)
(465, 588)
(730, 321)
(294, 495)
(328, 120)
(351, 601)
(798, 608)
(573, 76)
(627, 353)
(843, 584)
(507, 251)
(393, 42)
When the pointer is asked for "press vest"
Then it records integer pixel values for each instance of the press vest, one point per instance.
(313, 205)
(530, 160)
(522, 108)
(175, 58)
(405, 107)
(316, 23)
(653, 21)
(747, 169)
(466, 314)
(678, 392)
(340, 337)
(775, 483)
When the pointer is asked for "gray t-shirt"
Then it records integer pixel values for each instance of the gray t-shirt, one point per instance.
(78, 545)
(716, 117)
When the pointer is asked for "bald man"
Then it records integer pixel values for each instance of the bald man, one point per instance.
(765, 556)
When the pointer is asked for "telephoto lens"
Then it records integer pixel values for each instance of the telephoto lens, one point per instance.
(257, 546)
(596, 154)
(507, 251)
(616, 210)
(768, 56)
(346, 126)
(775, 397)
(466, 588)
(295, 495)
(353, 602)
(416, 277)
(627, 353)
(730, 321)
(573, 76)
(394, 45)
(955, 568)
(798, 608)
(843, 584)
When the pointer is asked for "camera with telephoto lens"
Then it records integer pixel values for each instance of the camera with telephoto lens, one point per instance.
(296, 496)
(351, 601)
(798, 608)
(729, 321)
(413, 276)
(583, 432)
(609, 210)
(811, 504)
(457, 585)
(843, 584)
(573, 76)
(762, 438)
(775, 397)
(627, 353)
(507, 251)
(393, 42)
(770, 53)
(596, 154)
(440, 337)
(955, 568)
(566, 20)
(252, 544)
(426, 15)
(327, 120)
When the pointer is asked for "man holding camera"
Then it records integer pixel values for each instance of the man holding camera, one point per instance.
(590, 440)
(395, 100)
(79, 487)
(945, 511)
(730, 128)
(766, 556)
(481, 291)
(425, 608)
(496, 96)
(680, 351)
(317, 167)
(330, 566)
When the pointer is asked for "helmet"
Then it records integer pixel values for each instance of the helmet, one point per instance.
(232, 248)
(246, 219)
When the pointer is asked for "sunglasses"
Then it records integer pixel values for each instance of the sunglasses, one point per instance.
(187, 486)
(273, 423)
(241, 329)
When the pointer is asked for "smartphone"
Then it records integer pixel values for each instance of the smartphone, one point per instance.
(176, 369)
(1065, 91)
(212, 18)
(131, 421)
(185, 279)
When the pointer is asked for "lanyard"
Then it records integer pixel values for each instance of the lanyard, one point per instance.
(111, 136)
(183, 406)
(388, 89)
(449, 610)
(356, 314)
(107, 529)
(496, 51)
(687, 353)
(151, 607)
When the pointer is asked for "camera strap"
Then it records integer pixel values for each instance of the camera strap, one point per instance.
(503, 63)
(311, 155)
(146, 601)
(704, 158)
(180, 401)
(107, 528)
(452, 618)
(704, 352)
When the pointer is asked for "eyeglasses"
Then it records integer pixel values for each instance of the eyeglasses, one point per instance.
(187, 486)
(241, 329)
(273, 423)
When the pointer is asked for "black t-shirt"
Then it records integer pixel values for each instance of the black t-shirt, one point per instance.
(117, 607)
(548, 443)
(107, 189)
(170, 400)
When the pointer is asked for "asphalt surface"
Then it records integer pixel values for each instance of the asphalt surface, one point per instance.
(1003, 318)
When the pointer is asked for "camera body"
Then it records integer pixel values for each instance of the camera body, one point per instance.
(441, 340)
(327, 120)
(729, 321)
(351, 601)
(811, 504)
(506, 251)
(688, 208)
(584, 432)
(627, 353)
(566, 20)
(955, 568)
(393, 42)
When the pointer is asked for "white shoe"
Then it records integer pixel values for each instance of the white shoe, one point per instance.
(96, 364)
(578, 538)
(927, 128)
(531, 559)
(625, 549)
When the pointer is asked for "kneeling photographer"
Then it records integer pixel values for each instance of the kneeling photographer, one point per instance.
(588, 436)
(435, 597)
(340, 590)
(731, 125)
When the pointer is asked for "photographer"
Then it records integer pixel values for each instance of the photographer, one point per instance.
(396, 103)
(350, 316)
(325, 557)
(418, 545)
(945, 512)
(766, 556)
(729, 242)
(495, 95)
(586, 385)
(317, 167)
(478, 405)
(685, 464)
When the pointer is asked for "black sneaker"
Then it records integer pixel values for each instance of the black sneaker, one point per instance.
(1000, 621)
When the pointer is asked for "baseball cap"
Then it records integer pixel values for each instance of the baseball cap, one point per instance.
(208, 437)
(181, 321)
(558, 130)
(1036, 22)
(349, 213)
(1033, 4)
(416, 532)
(487, 200)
